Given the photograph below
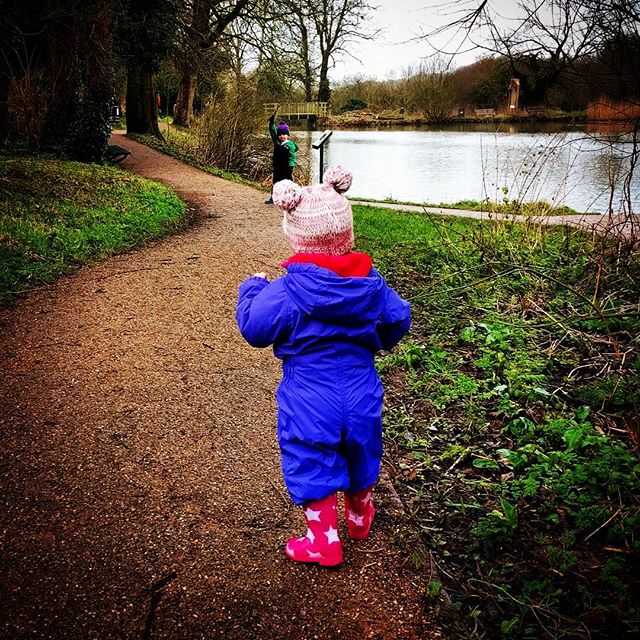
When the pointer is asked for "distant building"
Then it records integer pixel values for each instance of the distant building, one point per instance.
(513, 94)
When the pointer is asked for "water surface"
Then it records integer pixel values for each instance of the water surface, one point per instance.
(471, 162)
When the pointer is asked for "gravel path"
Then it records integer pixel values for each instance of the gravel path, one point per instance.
(140, 478)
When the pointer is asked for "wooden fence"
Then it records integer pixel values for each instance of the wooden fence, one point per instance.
(298, 109)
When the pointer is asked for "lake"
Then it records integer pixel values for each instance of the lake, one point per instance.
(474, 161)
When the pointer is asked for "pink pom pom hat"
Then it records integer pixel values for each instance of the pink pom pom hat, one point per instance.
(317, 219)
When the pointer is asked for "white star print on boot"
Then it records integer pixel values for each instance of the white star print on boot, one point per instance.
(359, 512)
(321, 543)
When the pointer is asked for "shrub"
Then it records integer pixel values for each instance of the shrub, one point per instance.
(353, 104)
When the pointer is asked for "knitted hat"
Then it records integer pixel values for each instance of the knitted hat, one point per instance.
(317, 219)
(282, 128)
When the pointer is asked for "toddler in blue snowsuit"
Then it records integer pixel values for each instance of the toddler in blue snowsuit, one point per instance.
(325, 319)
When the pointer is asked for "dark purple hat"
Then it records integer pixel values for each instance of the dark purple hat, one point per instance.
(282, 129)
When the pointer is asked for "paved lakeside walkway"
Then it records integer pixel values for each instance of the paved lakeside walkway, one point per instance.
(139, 472)
(600, 223)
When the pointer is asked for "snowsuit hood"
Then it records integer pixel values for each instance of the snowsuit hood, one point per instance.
(322, 294)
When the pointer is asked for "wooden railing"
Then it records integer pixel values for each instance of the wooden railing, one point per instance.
(298, 109)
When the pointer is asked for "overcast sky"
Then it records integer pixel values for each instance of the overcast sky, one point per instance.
(402, 21)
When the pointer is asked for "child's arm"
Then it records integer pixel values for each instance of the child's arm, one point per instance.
(292, 148)
(263, 315)
(272, 128)
(395, 320)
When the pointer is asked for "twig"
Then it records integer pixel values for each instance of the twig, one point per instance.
(604, 524)
(156, 594)
(457, 460)
(466, 287)
(279, 492)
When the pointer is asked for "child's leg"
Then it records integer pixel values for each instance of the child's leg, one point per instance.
(359, 512)
(313, 468)
(269, 200)
(363, 450)
(321, 543)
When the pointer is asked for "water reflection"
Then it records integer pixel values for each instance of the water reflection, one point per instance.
(558, 163)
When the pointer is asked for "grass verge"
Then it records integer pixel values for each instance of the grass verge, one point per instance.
(511, 423)
(57, 215)
(179, 144)
(509, 207)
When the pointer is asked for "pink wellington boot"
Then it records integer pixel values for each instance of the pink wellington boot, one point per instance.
(321, 543)
(359, 512)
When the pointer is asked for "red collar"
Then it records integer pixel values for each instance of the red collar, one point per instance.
(351, 265)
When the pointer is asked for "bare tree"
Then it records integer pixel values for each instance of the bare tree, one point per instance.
(300, 40)
(271, 41)
(304, 30)
(200, 34)
(337, 24)
(562, 33)
(430, 90)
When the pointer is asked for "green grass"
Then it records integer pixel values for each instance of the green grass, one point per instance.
(57, 215)
(511, 418)
(513, 207)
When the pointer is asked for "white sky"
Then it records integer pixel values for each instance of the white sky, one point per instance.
(402, 20)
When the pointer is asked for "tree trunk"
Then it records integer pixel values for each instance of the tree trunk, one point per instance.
(186, 94)
(141, 109)
(308, 76)
(198, 31)
(91, 130)
(63, 42)
(324, 88)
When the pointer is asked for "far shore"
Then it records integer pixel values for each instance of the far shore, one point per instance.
(368, 119)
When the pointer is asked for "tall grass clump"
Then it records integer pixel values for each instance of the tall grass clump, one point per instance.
(57, 215)
(227, 133)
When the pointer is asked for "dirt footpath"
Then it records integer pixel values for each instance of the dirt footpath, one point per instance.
(140, 478)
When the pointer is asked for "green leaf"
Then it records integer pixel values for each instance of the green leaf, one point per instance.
(541, 391)
(510, 512)
(582, 413)
(485, 463)
(468, 333)
(433, 588)
(573, 437)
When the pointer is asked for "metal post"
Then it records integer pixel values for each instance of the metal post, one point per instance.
(320, 145)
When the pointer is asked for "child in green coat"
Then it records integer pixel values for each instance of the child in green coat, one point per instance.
(284, 153)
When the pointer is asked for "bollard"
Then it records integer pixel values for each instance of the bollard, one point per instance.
(320, 145)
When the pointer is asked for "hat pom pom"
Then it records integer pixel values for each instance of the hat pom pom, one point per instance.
(287, 194)
(338, 177)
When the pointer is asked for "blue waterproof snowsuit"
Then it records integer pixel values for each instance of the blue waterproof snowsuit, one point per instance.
(326, 329)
